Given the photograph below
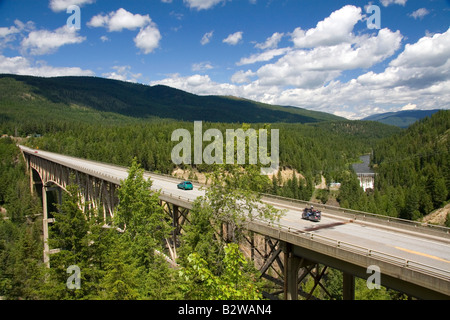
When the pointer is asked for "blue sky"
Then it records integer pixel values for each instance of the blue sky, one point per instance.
(319, 55)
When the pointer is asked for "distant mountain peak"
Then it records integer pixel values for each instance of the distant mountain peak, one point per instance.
(402, 119)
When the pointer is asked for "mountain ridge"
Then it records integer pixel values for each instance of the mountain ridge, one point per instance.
(139, 100)
(402, 119)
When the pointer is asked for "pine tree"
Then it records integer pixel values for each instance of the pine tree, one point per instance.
(141, 216)
(439, 192)
(122, 275)
(70, 234)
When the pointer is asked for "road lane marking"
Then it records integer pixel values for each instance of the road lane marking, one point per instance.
(422, 254)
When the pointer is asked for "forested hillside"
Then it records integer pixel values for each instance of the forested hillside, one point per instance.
(142, 101)
(55, 110)
(413, 172)
(402, 119)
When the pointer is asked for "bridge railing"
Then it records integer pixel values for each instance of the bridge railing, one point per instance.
(356, 214)
(350, 247)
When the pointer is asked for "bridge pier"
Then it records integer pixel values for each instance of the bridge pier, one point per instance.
(30, 172)
(291, 267)
(348, 287)
(46, 220)
(178, 216)
(35, 180)
(175, 224)
(45, 226)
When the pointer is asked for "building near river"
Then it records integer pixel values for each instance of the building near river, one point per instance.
(366, 175)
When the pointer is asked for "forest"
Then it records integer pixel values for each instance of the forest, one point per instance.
(412, 166)
(413, 172)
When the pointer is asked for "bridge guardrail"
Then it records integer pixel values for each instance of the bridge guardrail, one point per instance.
(363, 214)
(395, 260)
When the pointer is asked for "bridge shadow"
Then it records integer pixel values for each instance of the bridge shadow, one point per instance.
(325, 226)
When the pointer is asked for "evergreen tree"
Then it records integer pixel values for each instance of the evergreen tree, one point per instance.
(141, 216)
(134, 267)
(439, 192)
(122, 274)
(70, 234)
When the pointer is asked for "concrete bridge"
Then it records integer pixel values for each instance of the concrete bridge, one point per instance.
(412, 257)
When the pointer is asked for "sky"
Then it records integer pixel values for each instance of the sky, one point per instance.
(348, 58)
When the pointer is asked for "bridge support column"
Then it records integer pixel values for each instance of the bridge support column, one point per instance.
(291, 267)
(348, 287)
(30, 171)
(45, 226)
(175, 218)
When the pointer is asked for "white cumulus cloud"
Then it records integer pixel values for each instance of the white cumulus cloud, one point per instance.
(420, 13)
(62, 5)
(206, 38)
(122, 73)
(335, 29)
(422, 64)
(5, 31)
(242, 76)
(271, 42)
(23, 66)
(41, 42)
(409, 106)
(148, 38)
(119, 20)
(389, 2)
(263, 56)
(202, 4)
(234, 38)
(315, 67)
(202, 66)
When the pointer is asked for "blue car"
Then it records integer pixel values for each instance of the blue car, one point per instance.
(185, 185)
